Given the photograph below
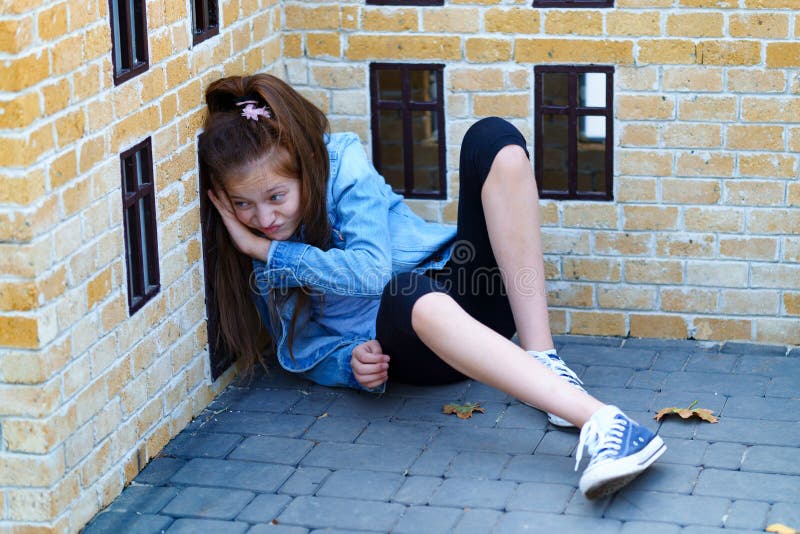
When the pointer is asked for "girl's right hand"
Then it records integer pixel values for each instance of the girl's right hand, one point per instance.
(370, 366)
(243, 239)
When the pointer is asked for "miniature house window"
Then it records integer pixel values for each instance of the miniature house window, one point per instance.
(139, 220)
(205, 20)
(574, 132)
(573, 3)
(408, 145)
(129, 38)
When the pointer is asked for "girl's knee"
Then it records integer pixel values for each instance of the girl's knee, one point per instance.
(432, 306)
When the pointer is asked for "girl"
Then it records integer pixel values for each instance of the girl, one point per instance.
(354, 288)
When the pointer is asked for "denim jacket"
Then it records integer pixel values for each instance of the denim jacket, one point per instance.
(374, 235)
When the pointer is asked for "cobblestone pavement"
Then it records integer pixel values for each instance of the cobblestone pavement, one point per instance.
(283, 455)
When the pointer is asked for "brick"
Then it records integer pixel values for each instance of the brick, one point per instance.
(622, 243)
(380, 19)
(345, 514)
(590, 215)
(597, 323)
(711, 219)
(636, 78)
(31, 470)
(781, 276)
(768, 165)
(568, 50)
(24, 151)
(791, 250)
(667, 51)
(695, 79)
(507, 105)
(737, 52)
(772, 109)
(339, 77)
(682, 135)
(774, 221)
(638, 135)
(513, 20)
(791, 303)
(781, 55)
(654, 271)
(487, 50)
(689, 300)
(626, 298)
(749, 248)
(689, 191)
(763, 25)
(686, 245)
(695, 24)
(695, 163)
(22, 72)
(783, 331)
(647, 163)
(21, 111)
(451, 20)
(480, 79)
(558, 241)
(628, 23)
(749, 302)
(572, 295)
(756, 81)
(705, 108)
(645, 107)
(403, 47)
(575, 22)
(16, 34)
(721, 329)
(650, 217)
(718, 273)
(590, 269)
(635, 189)
(314, 18)
(292, 44)
(754, 193)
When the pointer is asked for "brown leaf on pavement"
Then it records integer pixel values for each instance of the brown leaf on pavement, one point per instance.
(686, 413)
(778, 528)
(463, 411)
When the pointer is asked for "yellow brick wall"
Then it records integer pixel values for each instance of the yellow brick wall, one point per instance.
(700, 240)
(88, 395)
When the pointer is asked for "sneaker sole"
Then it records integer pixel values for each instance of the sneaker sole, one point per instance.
(611, 476)
(553, 418)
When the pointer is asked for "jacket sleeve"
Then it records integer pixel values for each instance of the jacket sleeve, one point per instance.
(335, 370)
(363, 266)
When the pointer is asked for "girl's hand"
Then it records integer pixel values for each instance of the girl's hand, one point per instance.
(243, 239)
(370, 366)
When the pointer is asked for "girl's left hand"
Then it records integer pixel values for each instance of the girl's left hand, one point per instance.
(243, 239)
(370, 366)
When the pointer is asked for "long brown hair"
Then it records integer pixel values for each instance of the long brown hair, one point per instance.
(230, 142)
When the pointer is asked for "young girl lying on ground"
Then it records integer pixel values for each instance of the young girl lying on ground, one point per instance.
(355, 289)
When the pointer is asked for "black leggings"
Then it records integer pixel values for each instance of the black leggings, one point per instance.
(471, 276)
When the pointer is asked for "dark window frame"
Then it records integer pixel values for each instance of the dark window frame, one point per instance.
(573, 3)
(130, 48)
(406, 106)
(574, 113)
(205, 20)
(134, 189)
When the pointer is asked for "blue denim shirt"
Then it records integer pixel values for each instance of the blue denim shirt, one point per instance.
(374, 235)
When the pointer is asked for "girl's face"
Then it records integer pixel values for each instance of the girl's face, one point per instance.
(264, 200)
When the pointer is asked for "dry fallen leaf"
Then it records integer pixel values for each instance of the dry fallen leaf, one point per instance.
(463, 411)
(781, 529)
(686, 413)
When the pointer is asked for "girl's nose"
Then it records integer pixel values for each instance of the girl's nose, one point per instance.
(265, 217)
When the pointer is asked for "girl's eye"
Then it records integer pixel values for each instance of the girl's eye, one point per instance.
(277, 197)
(240, 204)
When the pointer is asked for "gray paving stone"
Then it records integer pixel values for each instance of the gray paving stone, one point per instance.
(624, 398)
(558, 442)
(711, 530)
(477, 521)
(430, 410)
(724, 455)
(449, 392)
(542, 468)
(479, 392)
(143, 499)
(638, 527)
(684, 451)
(515, 522)
(784, 513)
(304, 481)
(208, 503)
(261, 400)
(206, 526)
(782, 386)
(774, 409)
(128, 522)
(665, 345)
(595, 355)
(519, 415)
(751, 486)
(580, 505)
(747, 514)
(666, 477)
(427, 519)
(500, 440)
(769, 365)
(275, 378)
(675, 427)
(540, 497)
(359, 484)
(417, 490)
(766, 459)
(648, 379)
(270, 528)
(201, 445)
(159, 471)
(270, 449)
(681, 399)
(336, 429)
(794, 352)
(473, 493)
(359, 456)
(753, 348)
(721, 383)
(397, 433)
(486, 465)
(600, 341)
(711, 361)
(365, 406)
(264, 508)
(751, 432)
(263, 423)
(433, 462)
(232, 474)
(314, 403)
(667, 507)
(605, 375)
(670, 361)
(347, 514)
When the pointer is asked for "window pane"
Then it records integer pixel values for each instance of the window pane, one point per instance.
(391, 147)
(129, 169)
(134, 14)
(390, 85)
(593, 90)
(119, 37)
(555, 152)
(555, 89)
(213, 13)
(426, 151)
(423, 85)
(131, 236)
(591, 162)
(143, 218)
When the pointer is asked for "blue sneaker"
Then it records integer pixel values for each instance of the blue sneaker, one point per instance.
(551, 360)
(620, 449)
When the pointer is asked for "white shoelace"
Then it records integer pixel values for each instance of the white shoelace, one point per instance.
(609, 430)
(557, 365)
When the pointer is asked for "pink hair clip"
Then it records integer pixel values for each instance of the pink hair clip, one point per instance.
(250, 111)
